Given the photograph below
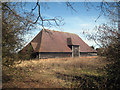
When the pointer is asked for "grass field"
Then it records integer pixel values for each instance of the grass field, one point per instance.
(83, 72)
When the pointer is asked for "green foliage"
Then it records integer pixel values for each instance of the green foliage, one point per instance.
(113, 69)
(28, 54)
(10, 39)
(108, 38)
(14, 26)
(100, 51)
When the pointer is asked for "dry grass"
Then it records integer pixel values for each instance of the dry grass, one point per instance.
(55, 72)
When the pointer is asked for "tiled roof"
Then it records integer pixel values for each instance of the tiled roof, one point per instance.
(56, 41)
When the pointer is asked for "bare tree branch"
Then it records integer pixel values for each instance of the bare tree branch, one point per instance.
(39, 17)
(70, 5)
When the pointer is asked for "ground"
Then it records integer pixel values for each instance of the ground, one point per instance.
(83, 72)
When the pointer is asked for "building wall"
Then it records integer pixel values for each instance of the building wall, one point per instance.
(88, 54)
(46, 55)
(54, 54)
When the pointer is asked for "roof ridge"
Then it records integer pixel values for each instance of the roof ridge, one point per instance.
(36, 36)
(41, 39)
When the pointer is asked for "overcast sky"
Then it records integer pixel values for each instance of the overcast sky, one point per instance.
(75, 22)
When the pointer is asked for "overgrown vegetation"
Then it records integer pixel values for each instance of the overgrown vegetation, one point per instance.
(84, 72)
(28, 54)
(113, 69)
(109, 39)
(107, 36)
(64, 73)
(13, 27)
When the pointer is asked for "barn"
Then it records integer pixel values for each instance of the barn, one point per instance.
(53, 44)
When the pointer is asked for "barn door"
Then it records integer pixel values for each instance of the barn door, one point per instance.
(75, 51)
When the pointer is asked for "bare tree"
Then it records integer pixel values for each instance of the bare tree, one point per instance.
(18, 21)
(107, 36)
